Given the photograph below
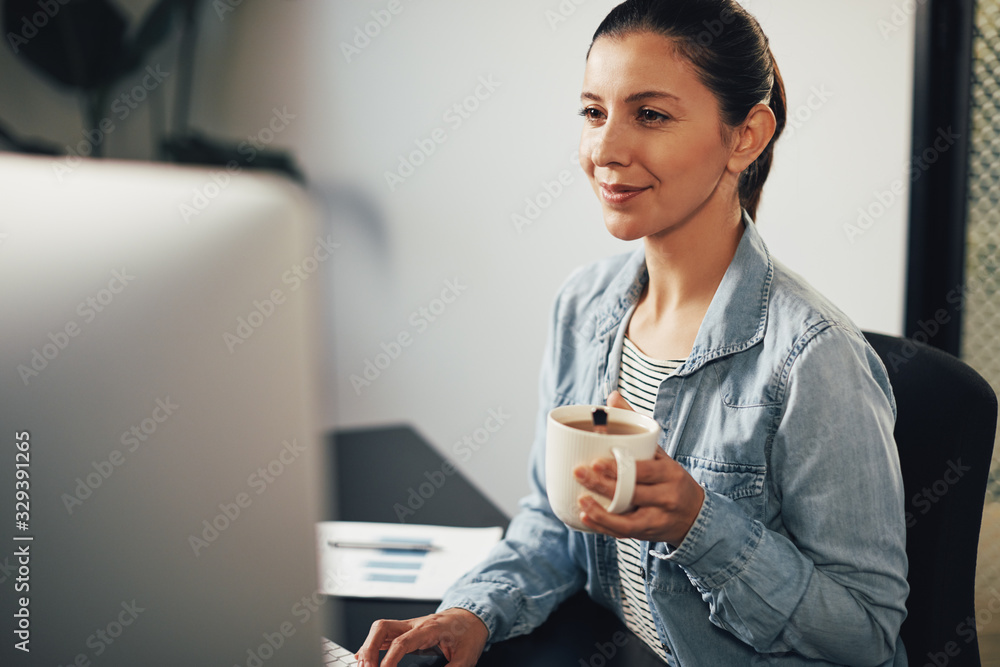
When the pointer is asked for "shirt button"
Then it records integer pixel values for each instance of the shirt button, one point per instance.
(642, 572)
(666, 649)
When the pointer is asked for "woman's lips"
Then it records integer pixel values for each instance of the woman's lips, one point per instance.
(619, 194)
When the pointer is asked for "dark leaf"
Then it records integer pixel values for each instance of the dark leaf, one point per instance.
(31, 146)
(193, 148)
(78, 44)
(155, 28)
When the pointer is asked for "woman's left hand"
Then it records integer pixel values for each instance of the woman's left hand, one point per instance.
(667, 499)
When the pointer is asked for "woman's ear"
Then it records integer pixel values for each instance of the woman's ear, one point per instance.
(752, 137)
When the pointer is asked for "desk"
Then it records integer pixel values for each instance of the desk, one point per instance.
(373, 470)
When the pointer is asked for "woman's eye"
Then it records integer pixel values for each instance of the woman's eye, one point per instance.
(650, 116)
(590, 113)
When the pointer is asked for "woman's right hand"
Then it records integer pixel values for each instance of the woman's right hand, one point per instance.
(459, 634)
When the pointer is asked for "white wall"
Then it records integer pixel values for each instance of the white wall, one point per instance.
(848, 79)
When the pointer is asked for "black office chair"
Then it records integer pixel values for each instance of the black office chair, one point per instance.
(945, 429)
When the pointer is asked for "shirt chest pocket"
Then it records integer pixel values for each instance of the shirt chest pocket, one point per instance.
(741, 482)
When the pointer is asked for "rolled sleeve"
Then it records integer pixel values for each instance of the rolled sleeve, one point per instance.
(719, 544)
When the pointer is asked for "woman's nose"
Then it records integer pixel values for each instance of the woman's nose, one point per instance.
(611, 145)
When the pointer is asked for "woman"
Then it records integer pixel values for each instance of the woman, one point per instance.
(770, 529)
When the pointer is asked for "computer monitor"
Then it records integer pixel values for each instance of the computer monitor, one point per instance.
(162, 471)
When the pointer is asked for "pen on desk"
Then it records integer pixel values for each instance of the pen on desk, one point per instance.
(386, 546)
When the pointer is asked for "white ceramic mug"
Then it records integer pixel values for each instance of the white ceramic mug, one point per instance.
(567, 447)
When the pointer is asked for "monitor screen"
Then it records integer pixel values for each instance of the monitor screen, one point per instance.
(163, 467)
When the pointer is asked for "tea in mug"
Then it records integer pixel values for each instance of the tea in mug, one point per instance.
(612, 428)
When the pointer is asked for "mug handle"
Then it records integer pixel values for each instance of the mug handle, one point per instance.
(625, 485)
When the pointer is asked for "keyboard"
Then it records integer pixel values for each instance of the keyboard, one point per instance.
(335, 655)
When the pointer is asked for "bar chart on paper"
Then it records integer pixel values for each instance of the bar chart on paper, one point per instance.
(397, 561)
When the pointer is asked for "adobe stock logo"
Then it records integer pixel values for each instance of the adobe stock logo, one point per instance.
(263, 309)
(899, 17)
(884, 200)
(132, 439)
(123, 106)
(203, 196)
(230, 512)
(420, 320)
(930, 495)
(223, 7)
(802, 114)
(562, 12)
(544, 197)
(605, 651)
(381, 18)
(433, 480)
(59, 340)
(455, 116)
(104, 637)
(29, 28)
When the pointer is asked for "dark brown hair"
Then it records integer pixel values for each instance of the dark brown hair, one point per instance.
(732, 56)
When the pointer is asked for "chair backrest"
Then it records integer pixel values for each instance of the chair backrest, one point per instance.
(945, 429)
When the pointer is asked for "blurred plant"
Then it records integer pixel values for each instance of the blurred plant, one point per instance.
(86, 46)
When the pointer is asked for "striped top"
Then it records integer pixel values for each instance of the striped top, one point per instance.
(641, 376)
(638, 383)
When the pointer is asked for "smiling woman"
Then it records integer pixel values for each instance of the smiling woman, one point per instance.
(769, 528)
(661, 155)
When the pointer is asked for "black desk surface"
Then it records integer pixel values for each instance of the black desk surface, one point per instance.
(374, 470)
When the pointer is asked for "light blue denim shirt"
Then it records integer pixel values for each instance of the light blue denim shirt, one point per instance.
(784, 414)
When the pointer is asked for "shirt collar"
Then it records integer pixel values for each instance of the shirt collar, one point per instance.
(737, 316)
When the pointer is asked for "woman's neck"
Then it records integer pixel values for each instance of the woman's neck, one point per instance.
(687, 263)
(686, 266)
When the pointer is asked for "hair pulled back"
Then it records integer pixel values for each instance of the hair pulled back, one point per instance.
(733, 59)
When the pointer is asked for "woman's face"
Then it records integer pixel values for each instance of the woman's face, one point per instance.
(653, 140)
